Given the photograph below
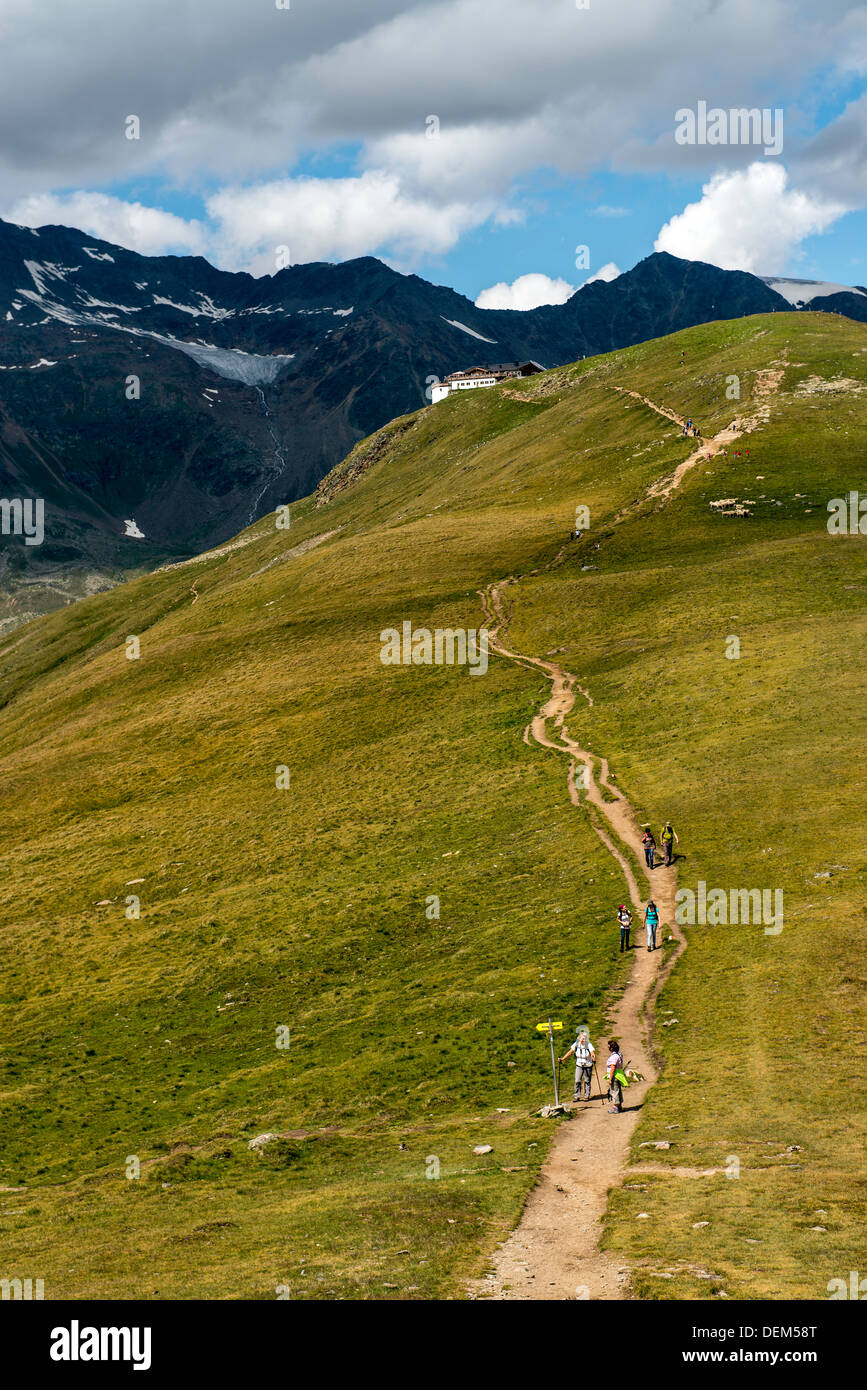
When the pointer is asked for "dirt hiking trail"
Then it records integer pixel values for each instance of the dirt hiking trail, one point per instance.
(742, 424)
(554, 1252)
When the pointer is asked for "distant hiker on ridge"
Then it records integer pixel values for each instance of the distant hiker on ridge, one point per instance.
(669, 840)
(651, 921)
(585, 1056)
(624, 917)
(648, 844)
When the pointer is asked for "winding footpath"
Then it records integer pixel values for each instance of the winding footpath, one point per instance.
(554, 1252)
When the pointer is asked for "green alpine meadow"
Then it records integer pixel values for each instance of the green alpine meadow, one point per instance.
(281, 914)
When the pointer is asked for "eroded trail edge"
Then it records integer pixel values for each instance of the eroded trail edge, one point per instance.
(554, 1252)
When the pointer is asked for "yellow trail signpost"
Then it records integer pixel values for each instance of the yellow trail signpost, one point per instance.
(550, 1027)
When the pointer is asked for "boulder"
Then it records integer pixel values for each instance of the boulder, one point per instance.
(261, 1140)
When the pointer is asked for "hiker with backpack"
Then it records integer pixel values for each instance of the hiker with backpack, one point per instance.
(624, 917)
(669, 840)
(651, 922)
(615, 1088)
(585, 1057)
(648, 844)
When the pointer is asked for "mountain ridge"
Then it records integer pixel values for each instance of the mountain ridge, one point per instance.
(188, 399)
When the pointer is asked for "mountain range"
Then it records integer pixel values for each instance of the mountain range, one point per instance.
(157, 404)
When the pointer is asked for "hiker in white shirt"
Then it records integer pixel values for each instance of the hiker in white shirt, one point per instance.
(615, 1088)
(585, 1056)
(624, 919)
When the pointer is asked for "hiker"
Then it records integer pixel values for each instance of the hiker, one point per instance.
(585, 1057)
(649, 845)
(615, 1089)
(624, 917)
(651, 921)
(669, 840)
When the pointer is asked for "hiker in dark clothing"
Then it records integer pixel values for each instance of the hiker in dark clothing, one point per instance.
(648, 844)
(669, 840)
(624, 917)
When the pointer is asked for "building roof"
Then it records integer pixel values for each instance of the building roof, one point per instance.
(499, 369)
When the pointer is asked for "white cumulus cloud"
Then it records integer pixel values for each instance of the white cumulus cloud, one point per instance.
(748, 220)
(606, 272)
(527, 292)
(149, 231)
(335, 219)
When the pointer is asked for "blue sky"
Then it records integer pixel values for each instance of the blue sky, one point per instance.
(474, 142)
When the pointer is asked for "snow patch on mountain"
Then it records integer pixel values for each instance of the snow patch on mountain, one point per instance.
(88, 302)
(207, 308)
(28, 366)
(253, 368)
(455, 323)
(184, 308)
(800, 292)
(95, 255)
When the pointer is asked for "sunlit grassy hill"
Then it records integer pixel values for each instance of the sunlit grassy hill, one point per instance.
(287, 815)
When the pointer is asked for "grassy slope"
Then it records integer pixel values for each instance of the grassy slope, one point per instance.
(306, 907)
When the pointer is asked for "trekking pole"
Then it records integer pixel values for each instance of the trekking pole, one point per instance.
(598, 1082)
(558, 1080)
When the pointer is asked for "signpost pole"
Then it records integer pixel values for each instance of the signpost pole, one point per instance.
(550, 1028)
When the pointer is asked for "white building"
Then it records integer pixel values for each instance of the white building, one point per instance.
(482, 376)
